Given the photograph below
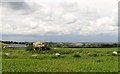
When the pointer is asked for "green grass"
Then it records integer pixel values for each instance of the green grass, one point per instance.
(2, 44)
(22, 61)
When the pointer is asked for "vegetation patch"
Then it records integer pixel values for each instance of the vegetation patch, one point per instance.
(76, 54)
(56, 60)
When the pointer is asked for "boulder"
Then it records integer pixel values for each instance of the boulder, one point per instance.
(38, 45)
(114, 53)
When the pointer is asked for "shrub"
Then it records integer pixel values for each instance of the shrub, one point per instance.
(13, 56)
(114, 54)
(99, 60)
(76, 55)
(62, 56)
(66, 52)
(107, 54)
(29, 48)
(46, 48)
(95, 55)
(5, 56)
(54, 56)
(118, 51)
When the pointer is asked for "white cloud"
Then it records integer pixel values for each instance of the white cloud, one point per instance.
(61, 17)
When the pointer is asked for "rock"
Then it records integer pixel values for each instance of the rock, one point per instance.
(57, 54)
(7, 54)
(38, 44)
(34, 55)
(114, 53)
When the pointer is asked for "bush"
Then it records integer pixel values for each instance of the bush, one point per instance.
(95, 55)
(5, 56)
(118, 51)
(29, 48)
(76, 55)
(13, 56)
(99, 60)
(107, 54)
(46, 48)
(114, 54)
(62, 56)
(54, 56)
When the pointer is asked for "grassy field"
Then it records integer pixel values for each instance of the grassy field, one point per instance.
(71, 60)
(2, 44)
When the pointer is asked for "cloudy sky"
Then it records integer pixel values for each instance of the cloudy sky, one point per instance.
(59, 20)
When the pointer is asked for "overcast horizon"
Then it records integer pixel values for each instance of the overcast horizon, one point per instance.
(59, 20)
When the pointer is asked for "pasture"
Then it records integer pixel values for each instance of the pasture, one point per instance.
(70, 60)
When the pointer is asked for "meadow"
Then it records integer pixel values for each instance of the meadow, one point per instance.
(70, 60)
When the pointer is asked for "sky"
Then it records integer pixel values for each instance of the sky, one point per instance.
(59, 20)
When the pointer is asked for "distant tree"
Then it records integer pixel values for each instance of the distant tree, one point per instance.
(115, 44)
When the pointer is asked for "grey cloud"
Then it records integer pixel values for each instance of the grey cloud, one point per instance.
(72, 22)
(21, 6)
(17, 5)
(60, 18)
(12, 0)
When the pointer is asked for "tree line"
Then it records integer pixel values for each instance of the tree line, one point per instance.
(70, 44)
